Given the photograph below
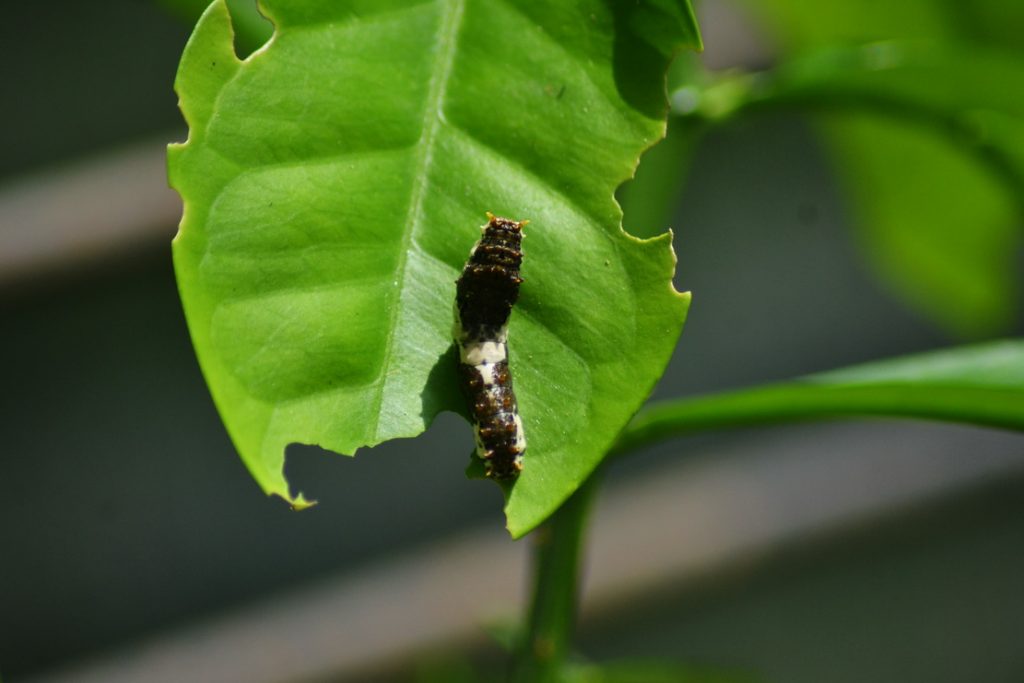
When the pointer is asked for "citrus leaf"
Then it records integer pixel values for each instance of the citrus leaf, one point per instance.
(981, 384)
(334, 182)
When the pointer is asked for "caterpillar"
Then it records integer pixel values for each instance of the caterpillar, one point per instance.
(484, 296)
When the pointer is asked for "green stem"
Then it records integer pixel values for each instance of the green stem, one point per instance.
(1000, 407)
(556, 570)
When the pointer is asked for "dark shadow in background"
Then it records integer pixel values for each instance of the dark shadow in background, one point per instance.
(79, 77)
(930, 597)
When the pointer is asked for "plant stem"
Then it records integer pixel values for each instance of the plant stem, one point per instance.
(993, 406)
(556, 571)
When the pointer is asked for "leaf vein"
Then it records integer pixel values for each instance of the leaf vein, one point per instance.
(548, 186)
(451, 19)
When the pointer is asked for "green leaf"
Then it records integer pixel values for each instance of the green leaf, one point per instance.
(935, 162)
(929, 141)
(942, 234)
(981, 384)
(334, 182)
(936, 224)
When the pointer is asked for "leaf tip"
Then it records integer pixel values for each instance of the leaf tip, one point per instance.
(300, 502)
(517, 531)
(297, 503)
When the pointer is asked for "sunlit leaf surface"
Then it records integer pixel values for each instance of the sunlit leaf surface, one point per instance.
(334, 183)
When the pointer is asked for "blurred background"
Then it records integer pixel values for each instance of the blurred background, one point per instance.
(135, 546)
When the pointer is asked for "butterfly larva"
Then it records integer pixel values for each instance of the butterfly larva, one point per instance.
(485, 293)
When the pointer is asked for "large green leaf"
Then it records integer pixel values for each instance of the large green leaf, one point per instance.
(981, 384)
(334, 182)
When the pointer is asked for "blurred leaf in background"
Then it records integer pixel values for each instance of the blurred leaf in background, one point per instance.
(940, 225)
(930, 143)
(921, 106)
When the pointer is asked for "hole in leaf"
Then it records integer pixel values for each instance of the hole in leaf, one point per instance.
(252, 29)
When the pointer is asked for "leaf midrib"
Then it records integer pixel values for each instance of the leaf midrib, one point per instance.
(448, 28)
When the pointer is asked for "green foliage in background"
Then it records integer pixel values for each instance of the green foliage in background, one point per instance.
(921, 107)
(334, 183)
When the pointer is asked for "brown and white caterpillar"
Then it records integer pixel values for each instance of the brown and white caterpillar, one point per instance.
(485, 293)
